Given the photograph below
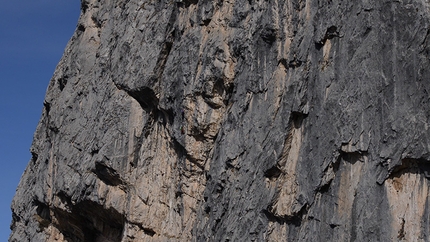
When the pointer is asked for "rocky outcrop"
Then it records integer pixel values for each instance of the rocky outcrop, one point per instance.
(200, 120)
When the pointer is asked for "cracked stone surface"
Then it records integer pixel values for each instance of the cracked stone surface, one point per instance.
(213, 120)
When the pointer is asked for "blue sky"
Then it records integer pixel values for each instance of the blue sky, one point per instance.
(33, 35)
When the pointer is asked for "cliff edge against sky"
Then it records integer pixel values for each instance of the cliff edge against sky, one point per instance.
(200, 120)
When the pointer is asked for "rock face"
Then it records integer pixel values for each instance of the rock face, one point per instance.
(257, 120)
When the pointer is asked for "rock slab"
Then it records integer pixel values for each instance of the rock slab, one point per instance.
(213, 120)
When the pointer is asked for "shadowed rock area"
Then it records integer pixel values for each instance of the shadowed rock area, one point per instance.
(239, 120)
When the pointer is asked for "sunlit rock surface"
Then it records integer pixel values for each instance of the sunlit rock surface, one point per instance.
(199, 120)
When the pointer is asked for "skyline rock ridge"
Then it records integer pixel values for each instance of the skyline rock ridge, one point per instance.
(235, 120)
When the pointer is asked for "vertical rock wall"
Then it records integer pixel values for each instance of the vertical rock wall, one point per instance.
(257, 120)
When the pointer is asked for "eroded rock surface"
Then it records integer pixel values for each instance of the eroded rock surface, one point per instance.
(256, 120)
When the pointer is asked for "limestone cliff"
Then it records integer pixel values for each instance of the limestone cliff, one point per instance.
(235, 120)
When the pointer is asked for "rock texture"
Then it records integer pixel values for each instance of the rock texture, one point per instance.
(235, 120)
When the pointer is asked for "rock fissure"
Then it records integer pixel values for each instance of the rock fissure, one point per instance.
(107, 174)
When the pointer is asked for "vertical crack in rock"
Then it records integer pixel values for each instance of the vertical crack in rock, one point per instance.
(167, 45)
(287, 206)
(138, 142)
(62, 82)
(84, 6)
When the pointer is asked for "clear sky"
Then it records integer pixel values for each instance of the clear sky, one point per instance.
(33, 35)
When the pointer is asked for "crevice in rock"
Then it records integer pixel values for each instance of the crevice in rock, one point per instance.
(239, 49)
(144, 96)
(54, 129)
(107, 174)
(167, 45)
(425, 49)
(146, 230)
(89, 221)
(195, 162)
(15, 219)
(333, 226)
(96, 22)
(411, 165)
(179, 192)
(295, 122)
(198, 135)
(297, 118)
(296, 219)
(94, 151)
(222, 90)
(325, 187)
(401, 233)
(165, 116)
(367, 31)
(138, 144)
(233, 162)
(229, 165)
(84, 6)
(62, 82)
(162, 58)
(328, 177)
(42, 215)
(148, 100)
(219, 94)
(66, 200)
(34, 156)
(81, 28)
(179, 148)
(273, 173)
(206, 22)
(292, 64)
(229, 91)
(286, 205)
(186, 3)
(352, 157)
(47, 107)
(269, 35)
(218, 220)
(330, 33)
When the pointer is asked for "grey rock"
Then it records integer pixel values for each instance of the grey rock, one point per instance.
(200, 120)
